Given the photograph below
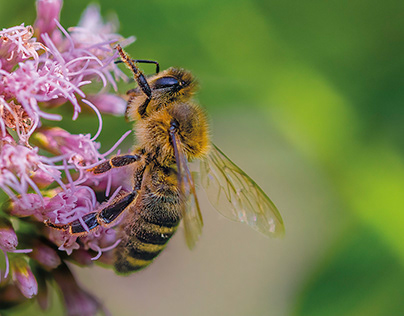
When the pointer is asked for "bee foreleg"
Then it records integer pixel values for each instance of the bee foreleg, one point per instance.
(115, 162)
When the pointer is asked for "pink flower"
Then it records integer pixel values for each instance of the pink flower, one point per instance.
(16, 45)
(70, 205)
(17, 164)
(79, 150)
(66, 242)
(14, 117)
(34, 82)
(96, 36)
(102, 240)
(43, 169)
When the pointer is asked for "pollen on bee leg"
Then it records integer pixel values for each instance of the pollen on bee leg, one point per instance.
(101, 168)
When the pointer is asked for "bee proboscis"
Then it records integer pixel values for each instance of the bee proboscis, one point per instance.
(172, 130)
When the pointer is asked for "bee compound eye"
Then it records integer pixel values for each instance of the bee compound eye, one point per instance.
(165, 82)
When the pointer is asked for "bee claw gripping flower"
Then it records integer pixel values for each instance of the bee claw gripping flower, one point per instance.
(43, 168)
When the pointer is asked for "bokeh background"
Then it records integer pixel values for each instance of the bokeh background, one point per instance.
(307, 98)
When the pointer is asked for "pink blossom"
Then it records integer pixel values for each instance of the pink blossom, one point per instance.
(79, 150)
(17, 44)
(102, 240)
(67, 242)
(70, 205)
(97, 36)
(43, 169)
(14, 117)
(45, 81)
(17, 164)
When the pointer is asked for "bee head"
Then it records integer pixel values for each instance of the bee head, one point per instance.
(172, 85)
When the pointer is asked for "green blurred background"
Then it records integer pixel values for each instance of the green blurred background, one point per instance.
(305, 96)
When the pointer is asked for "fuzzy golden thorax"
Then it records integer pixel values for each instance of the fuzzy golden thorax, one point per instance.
(163, 92)
(153, 132)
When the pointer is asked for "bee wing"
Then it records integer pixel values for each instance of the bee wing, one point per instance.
(191, 213)
(236, 196)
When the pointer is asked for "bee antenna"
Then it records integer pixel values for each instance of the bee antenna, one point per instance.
(139, 77)
(145, 61)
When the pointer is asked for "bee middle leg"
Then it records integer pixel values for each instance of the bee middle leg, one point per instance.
(115, 162)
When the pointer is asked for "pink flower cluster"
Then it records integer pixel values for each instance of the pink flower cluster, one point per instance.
(42, 168)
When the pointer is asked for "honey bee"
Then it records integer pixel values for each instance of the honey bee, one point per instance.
(172, 130)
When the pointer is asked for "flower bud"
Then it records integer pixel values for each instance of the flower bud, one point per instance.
(77, 301)
(47, 12)
(81, 257)
(23, 277)
(47, 139)
(43, 179)
(109, 103)
(29, 204)
(8, 237)
(44, 255)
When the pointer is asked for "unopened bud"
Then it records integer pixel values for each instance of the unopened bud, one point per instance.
(44, 255)
(77, 301)
(23, 277)
(47, 12)
(8, 237)
(109, 103)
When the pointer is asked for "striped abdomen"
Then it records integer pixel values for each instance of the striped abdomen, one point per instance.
(150, 224)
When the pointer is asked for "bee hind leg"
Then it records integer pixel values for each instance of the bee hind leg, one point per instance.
(106, 217)
(109, 214)
(76, 227)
